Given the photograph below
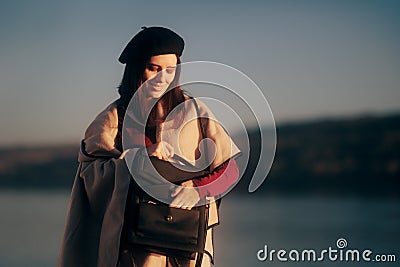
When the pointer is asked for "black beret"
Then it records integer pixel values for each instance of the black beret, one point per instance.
(150, 42)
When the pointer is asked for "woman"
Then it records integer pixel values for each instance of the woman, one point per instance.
(100, 209)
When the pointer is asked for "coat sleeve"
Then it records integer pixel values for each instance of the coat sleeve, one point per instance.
(95, 214)
(104, 179)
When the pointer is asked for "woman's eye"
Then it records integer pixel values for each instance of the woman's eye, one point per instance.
(170, 70)
(151, 68)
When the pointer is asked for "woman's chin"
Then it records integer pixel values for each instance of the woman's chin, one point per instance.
(156, 92)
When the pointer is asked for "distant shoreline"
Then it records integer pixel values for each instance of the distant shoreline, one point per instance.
(340, 157)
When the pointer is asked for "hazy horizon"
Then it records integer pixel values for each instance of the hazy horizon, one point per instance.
(295, 122)
(311, 59)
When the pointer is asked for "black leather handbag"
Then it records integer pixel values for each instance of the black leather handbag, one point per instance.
(169, 231)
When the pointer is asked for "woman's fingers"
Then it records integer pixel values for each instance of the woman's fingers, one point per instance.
(176, 191)
(185, 197)
(188, 183)
(183, 203)
(176, 203)
(167, 149)
(161, 150)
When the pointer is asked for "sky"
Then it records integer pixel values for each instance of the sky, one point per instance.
(311, 59)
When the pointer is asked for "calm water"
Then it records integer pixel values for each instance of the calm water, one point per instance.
(32, 224)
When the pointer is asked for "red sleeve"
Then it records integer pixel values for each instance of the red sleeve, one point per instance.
(224, 178)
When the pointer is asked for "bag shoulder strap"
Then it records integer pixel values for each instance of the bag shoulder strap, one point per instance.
(201, 126)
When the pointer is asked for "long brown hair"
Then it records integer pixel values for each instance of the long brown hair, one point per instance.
(133, 79)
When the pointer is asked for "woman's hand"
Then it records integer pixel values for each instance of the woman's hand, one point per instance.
(162, 150)
(185, 196)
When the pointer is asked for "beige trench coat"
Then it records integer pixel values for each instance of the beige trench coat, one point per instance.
(96, 208)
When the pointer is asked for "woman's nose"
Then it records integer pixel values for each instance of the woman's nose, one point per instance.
(161, 76)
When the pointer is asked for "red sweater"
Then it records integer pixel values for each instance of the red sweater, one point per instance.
(224, 178)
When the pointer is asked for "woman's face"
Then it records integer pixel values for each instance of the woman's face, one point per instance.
(158, 74)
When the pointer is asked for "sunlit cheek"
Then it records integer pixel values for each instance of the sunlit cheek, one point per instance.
(170, 77)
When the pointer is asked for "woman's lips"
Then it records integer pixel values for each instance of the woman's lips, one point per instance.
(158, 86)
